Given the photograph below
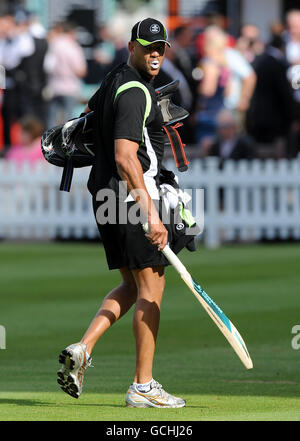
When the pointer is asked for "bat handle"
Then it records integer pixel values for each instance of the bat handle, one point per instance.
(173, 259)
(170, 255)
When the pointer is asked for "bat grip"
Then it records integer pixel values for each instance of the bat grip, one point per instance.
(170, 255)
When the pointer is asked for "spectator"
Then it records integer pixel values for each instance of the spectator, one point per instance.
(228, 81)
(242, 82)
(231, 143)
(54, 32)
(293, 40)
(292, 51)
(184, 59)
(249, 43)
(121, 50)
(110, 50)
(170, 72)
(277, 29)
(30, 74)
(183, 56)
(15, 44)
(65, 65)
(214, 84)
(271, 111)
(30, 147)
(182, 97)
(36, 29)
(104, 52)
(213, 19)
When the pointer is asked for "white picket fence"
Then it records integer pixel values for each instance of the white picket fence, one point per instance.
(245, 200)
(32, 207)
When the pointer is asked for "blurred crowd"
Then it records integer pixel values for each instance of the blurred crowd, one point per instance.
(243, 93)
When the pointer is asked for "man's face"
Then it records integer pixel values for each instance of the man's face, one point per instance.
(294, 25)
(147, 59)
(186, 38)
(250, 32)
(227, 129)
(7, 27)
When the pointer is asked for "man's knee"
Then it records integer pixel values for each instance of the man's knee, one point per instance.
(128, 282)
(150, 283)
(130, 288)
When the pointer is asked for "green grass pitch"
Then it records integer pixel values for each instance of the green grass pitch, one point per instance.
(50, 292)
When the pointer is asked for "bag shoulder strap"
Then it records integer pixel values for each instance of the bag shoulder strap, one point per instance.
(177, 146)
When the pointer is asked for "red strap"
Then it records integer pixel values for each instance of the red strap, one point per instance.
(177, 146)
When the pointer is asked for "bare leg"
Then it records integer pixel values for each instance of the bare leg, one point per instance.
(150, 283)
(114, 306)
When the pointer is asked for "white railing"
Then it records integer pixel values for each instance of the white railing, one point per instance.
(244, 200)
(31, 205)
(247, 200)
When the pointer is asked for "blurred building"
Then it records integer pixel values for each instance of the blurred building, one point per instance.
(235, 12)
(261, 12)
(90, 13)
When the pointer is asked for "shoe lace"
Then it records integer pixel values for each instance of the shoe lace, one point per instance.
(158, 386)
(83, 368)
(89, 363)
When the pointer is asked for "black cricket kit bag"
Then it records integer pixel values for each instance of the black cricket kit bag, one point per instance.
(71, 145)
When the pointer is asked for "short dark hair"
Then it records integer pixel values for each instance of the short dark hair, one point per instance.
(67, 26)
(179, 30)
(277, 42)
(32, 125)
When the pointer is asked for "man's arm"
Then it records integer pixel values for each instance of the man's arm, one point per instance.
(130, 171)
(209, 83)
(242, 69)
(248, 86)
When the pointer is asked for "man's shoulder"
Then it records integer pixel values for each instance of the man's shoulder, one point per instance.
(113, 80)
(119, 81)
(120, 76)
(237, 62)
(130, 76)
(133, 86)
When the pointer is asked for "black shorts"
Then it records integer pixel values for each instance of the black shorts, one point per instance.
(126, 244)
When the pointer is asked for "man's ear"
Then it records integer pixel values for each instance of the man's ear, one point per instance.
(130, 47)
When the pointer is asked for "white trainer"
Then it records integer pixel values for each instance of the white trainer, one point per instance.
(74, 360)
(156, 397)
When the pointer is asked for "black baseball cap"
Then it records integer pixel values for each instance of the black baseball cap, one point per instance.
(149, 31)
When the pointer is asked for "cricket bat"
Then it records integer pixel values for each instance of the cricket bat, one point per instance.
(213, 310)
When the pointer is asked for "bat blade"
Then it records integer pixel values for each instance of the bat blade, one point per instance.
(221, 320)
(213, 310)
